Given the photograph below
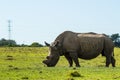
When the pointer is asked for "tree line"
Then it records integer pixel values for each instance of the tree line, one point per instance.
(12, 43)
(116, 39)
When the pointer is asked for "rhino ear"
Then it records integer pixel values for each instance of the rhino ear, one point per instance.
(47, 44)
(57, 43)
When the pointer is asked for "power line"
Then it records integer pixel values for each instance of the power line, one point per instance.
(9, 29)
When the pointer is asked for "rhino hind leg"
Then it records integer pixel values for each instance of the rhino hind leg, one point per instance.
(113, 61)
(108, 61)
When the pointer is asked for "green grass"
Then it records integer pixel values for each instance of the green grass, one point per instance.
(25, 63)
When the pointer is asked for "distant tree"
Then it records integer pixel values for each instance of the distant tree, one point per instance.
(36, 44)
(4, 42)
(11, 43)
(116, 39)
(24, 45)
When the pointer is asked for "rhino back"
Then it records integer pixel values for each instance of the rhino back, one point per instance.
(90, 42)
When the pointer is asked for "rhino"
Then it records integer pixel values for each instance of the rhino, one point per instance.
(74, 45)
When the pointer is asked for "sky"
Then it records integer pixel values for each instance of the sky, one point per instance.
(43, 20)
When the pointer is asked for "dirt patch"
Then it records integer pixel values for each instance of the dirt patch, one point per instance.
(70, 79)
(11, 67)
(24, 78)
(75, 74)
(8, 57)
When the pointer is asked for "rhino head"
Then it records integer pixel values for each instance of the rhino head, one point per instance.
(53, 57)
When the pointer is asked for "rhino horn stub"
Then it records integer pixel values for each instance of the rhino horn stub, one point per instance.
(44, 61)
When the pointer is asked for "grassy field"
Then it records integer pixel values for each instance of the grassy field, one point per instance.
(25, 63)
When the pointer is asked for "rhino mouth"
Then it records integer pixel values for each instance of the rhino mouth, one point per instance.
(48, 64)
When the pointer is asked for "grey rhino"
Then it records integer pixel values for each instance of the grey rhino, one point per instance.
(80, 45)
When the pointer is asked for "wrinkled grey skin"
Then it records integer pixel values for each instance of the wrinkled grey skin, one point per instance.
(80, 45)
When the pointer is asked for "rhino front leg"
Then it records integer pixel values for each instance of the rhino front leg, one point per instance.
(74, 56)
(67, 56)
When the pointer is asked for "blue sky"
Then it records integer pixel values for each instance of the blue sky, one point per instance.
(44, 20)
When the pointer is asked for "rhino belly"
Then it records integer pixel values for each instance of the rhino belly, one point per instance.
(90, 47)
(88, 55)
